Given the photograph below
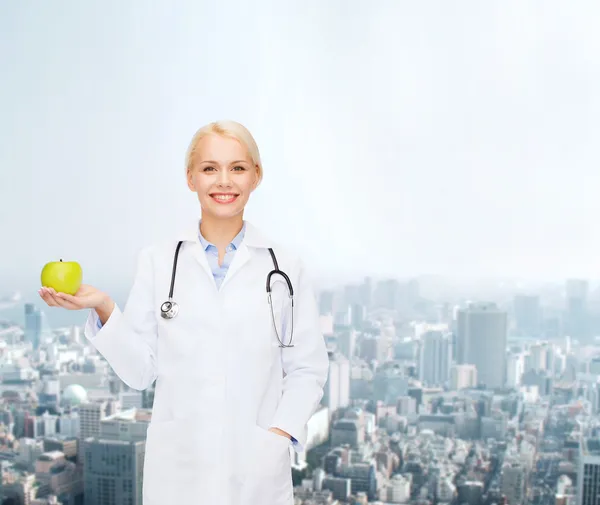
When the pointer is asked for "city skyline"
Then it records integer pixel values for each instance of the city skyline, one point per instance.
(408, 378)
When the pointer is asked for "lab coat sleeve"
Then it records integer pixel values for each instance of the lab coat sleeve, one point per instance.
(306, 366)
(128, 339)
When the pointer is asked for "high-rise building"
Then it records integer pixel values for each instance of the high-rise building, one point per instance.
(513, 481)
(346, 342)
(366, 293)
(386, 294)
(358, 315)
(527, 314)
(326, 302)
(482, 330)
(33, 325)
(113, 471)
(538, 357)
(337, 388)
(576, 291)
(435, 358)
(463, 377)
(343, 318)
(351, 294)
(588, 474)
(90, 415)
(515, 367)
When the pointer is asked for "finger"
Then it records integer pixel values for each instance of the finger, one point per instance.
(51, 294)
(57, 295)
(51, 297)
(47, 298)
(66, 304)
(65, 297)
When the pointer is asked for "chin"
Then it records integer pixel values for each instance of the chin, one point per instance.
(220, 213)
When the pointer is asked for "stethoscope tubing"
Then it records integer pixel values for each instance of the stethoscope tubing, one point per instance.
(170, 309)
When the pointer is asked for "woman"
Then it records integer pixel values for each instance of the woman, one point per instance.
(230, 400)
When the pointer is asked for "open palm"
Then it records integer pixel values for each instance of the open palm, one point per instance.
(86, 297)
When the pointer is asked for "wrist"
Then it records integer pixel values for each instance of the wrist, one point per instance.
(280, 432)
(105, 304)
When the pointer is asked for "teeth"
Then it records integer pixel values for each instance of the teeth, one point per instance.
(224, 198)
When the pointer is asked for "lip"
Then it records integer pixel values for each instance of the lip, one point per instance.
(234, 195)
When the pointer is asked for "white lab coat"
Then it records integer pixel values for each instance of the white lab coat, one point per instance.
(221, 378)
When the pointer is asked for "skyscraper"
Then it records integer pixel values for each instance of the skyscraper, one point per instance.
(588, 474)
(481, 340)
(326, 302)
(37, 329)
(90, 414)
(337, 388)
(462, 377)
(33, 325)
(435, 358)
(527, 314)
(114, 471)
(576, 291)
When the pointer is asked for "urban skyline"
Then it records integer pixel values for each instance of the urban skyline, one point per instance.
(411, 367)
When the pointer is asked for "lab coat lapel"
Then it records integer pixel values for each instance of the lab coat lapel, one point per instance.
(253, 238)
(200, 256)
(191, 236)
(240, 258)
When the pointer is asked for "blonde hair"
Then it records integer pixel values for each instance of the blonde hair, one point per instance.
(231, 129)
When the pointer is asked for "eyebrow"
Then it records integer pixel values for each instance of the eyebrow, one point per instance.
(216, 163)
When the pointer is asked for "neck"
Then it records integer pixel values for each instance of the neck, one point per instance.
(221, 231)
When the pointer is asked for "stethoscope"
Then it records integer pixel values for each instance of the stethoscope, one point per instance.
(170, 309)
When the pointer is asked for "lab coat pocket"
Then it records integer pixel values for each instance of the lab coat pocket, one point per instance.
(159, 457)
(271, 453)
(172, 461)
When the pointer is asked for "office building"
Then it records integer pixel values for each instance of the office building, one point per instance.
(482, 331)
(435, 358)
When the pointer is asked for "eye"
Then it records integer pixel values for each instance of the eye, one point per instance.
(206, 169)
(241, 168)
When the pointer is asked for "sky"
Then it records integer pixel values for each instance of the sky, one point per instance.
(398, 138)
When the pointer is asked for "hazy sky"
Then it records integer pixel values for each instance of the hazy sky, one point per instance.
(399, 137)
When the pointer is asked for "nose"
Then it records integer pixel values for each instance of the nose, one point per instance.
(224, 179)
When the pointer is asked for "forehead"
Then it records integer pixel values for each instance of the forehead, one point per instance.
(220, 148)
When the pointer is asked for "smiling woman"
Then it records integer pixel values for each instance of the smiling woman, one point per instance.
(225, 349)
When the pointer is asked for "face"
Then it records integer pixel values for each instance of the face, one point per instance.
(223, 176)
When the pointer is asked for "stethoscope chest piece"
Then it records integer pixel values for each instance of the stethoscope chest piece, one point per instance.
(169, 309)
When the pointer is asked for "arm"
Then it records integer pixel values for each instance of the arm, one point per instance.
(128, 339)
(306, 366)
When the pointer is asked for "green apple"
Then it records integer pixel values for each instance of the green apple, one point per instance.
(63, 276)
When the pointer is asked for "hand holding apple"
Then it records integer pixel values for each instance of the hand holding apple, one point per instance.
(62, 276)
(61, 287)
(87, 297)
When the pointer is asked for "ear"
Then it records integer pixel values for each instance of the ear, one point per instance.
(190, 181)
(256, 177)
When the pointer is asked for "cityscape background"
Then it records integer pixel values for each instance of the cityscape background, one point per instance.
(435, 164)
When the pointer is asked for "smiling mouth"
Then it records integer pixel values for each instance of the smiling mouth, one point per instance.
(224, 197)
